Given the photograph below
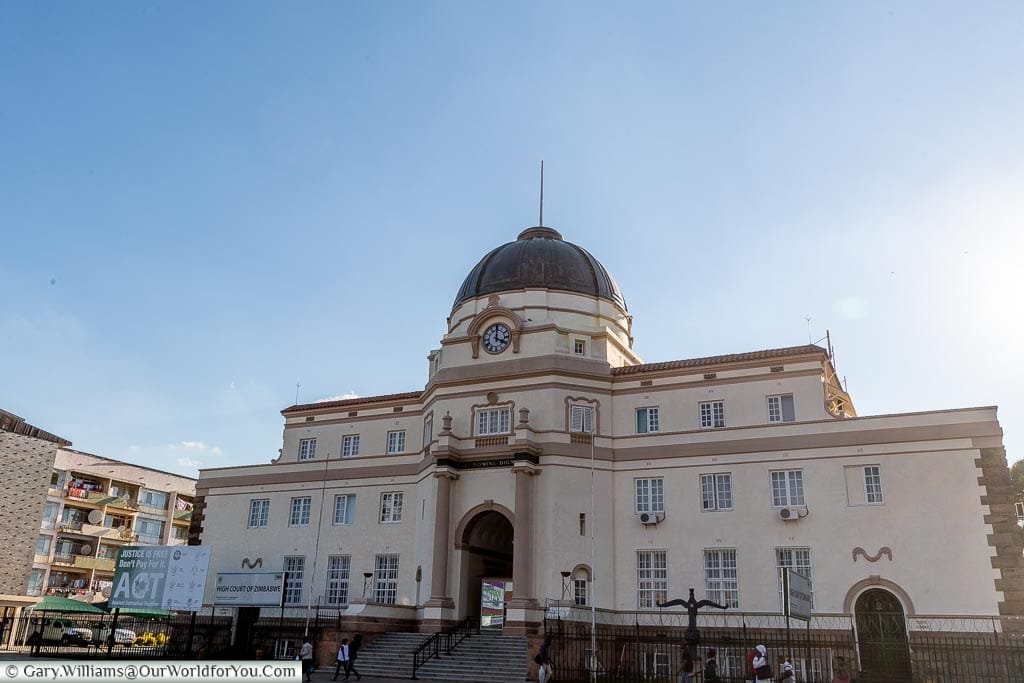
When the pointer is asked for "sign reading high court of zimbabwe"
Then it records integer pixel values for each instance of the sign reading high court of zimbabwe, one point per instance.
(160, 577)
(252, 589)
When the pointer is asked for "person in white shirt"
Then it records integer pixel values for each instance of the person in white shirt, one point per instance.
(761, 660)
(342, 659)
(786, 671)
(306, 655)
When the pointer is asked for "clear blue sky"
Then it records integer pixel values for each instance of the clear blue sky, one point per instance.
(202, 204)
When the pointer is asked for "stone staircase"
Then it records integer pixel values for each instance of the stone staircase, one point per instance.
(490, 657)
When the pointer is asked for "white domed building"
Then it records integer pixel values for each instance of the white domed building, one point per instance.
(706, 472)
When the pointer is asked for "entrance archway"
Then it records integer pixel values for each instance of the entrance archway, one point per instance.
(486, 541)
(882, 636)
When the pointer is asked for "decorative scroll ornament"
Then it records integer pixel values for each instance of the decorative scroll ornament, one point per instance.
(247, 563)
(884, 550)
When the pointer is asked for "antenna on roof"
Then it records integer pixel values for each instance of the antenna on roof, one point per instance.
(828, 339)
(541, 223)
(297, 385)
(808, 319)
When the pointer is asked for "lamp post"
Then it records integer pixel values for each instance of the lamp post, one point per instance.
(366, 582)
(565, 584)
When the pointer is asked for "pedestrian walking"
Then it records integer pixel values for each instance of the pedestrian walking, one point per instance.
(342, 662)
(543, 660)
(786, 671)
(306, 656)
(762, 669)
(711, 667)
(353, 652)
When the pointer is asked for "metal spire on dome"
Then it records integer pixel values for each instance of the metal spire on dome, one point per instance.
(541, 223)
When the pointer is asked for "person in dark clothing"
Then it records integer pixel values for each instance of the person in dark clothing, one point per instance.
(353, 652)
(711, 667)
(35, 641)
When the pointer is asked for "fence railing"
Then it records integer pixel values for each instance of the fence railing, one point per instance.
(444, 641)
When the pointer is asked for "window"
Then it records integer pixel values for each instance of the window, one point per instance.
(385, 579)
(579, 347)
(349, 445)
(721, 583)
(338, 569)
(391, 507)
(299, 515)
(581, 419)
(307, 449)
(428, 430)
(396, 441)
(780, 408)
(797, 559)
(651, 578)
(119, 490)
(1020, 509)
(259, 513)
(50, 515)
(149, 531)
(296, 567)
(344, 510)
(153, 499)
(43, 545)
(712, 414)
(492, 421)
(873, 484)
(787, 488)
(179, 533)
(646, 420)
(650, 495)
(579, 591)
(35, 582)
(716, 491)
(583, 523)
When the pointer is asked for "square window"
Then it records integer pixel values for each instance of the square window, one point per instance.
(712, 414)
(579, 347)
(651, 578)
(396, 441)
(647, 420)
(581, 419)
(787, 488)
(650, 495)
(873, 485)
(344, 510)
(299, 515)
(780, 408)
(391, 507)
(492, 421)
(307, 449)
(716, 491)
(259, 513)
(721, 582)
(799, 560)
(349, 445)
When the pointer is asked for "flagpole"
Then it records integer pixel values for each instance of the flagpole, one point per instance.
(593, 593)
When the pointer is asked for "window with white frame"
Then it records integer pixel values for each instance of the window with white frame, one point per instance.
(492, 421)
(391, 507)
(307, 449)
(651, 578)
(712, 414)
(716, 491)
(873, 484)
(581, 419)
(296, 567)
(579, 347)
(579, 591)
(349, 445)
(780, 408)
(799, 560)
(396, 441)
(650, 495)
(647, 420)
(338, 569)
(299, 514)
(344, 509)
(385, 579)
(787, 488)
(721, 582)
(1020, 509)
(259, 513)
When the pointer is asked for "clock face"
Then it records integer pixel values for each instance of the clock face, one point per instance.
(496, 338)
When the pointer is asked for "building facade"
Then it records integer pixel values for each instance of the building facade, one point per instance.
(539, 428)
(93, 506)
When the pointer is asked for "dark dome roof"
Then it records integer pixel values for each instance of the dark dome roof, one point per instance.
(540, 258)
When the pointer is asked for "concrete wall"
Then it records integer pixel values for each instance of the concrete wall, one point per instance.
(27, 464)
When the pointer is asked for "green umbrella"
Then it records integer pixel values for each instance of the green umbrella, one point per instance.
(53, 603)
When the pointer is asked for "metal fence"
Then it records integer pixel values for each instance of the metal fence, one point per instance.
(652, 647)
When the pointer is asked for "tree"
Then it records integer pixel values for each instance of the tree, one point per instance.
(1017, 479)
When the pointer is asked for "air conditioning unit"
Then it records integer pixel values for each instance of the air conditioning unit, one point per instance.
(790, 514)
(651, 517)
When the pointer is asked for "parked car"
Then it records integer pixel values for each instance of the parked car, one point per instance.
(122, 636)
(65, 632)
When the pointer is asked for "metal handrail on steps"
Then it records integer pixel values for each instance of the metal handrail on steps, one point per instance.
(446, 640)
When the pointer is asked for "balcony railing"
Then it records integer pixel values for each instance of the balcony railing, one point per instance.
(85, 494)
(55, 491)
(183, 515)
(484, 441)
(150, 540)
(152, 509)
(69, 525)
(100, 563)
(64, 558)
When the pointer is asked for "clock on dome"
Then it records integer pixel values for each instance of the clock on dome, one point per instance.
(496, 338)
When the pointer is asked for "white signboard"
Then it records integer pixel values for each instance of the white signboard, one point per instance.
(797, 591)
(164, 577)
(250, 589)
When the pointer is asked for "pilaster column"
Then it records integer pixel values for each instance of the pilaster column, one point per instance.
(523, 560)
(442, 521)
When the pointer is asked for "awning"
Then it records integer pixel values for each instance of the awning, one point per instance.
(53, 603)
(143, 612)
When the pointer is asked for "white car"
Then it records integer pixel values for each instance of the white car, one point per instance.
(122, 636)
(65, 632)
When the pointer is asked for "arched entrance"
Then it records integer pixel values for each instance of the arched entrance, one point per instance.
(882, 636)
(485, 539)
